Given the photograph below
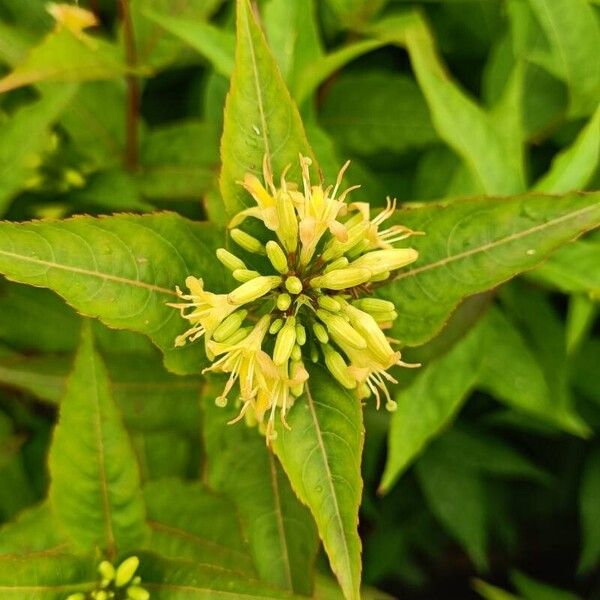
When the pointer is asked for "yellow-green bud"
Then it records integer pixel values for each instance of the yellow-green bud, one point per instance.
(126, 571)
(374, 305)
(284, 343)
(137, 593)
(296, 352)
(298, 372)
(380, 261)
(284, 301)
(77, 596)
(288, 222)
(342, 278)
(276, 325)
(300, 334)
(328, 303)
(243, 275)
(230, 325)
(314, 354)
(293, 285)
(253, 289)
(387, 317)
(100, 595)
(106, 570)
(238, 336)
(337, 366)
(340, 263)
(341, 330)
(371, 332)
(229, 261)
(247, 242)
(381, 277)
(320, 333)
(277, 257)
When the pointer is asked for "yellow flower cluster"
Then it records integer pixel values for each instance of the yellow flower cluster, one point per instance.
(306, 296)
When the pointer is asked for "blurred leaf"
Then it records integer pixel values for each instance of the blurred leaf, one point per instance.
(327, 588)
(45, 577)
(24, 138)
(573, 168)
(573, 32)
(514, 373)
(580, 318)
(260, 117)
(429, 403)
(173, 579)
(179, 161)
(589, 510)
(456, 496)
(355, 12)
(460, 121)
(121, 269)
(475, 244)
(163, 453)
(491, 592)
(63, 56)
(187, 520)
(34, 530)
(280, 531)
(213, 43)
(531, 589)
(321, 454)
(373, 112)
(95, 489)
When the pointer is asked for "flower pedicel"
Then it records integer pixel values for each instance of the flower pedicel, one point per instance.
(323, 256)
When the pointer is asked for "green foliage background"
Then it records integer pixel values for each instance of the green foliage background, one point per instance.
(482, 117)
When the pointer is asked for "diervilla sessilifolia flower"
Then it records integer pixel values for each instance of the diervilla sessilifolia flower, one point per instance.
(311, 303)
(116, 583)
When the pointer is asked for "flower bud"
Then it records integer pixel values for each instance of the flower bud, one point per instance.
(342, 278)
(340, 263)
(374, 305)
(371, 332)
(238, 336)
(341, 330)
(77, 596)
(243, 275)
(380, 261)
(296, 352)
(293, 285)
(229, 260)
(298, 375)
(230, 325)
(283, 301)
(320, 333)
(137, 593)
(126, 570)
(276, 325)
(253, 289)
(247, 242)
(337, 366)
(328, 303)
(100, 595)
(380, 277)
(300, 334)
(277, 257)
(284, 344)
(106, 570)
(288, 222)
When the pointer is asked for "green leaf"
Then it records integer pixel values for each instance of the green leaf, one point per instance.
(165, 453)
(34, 530)
(25, 136)
(491, 592)
(184, 580)
(376, 111)
(467, 128)
(215, 44)
(63, 56)
(429, 403)
(531, 589)
(573, 168)
(475, 244)
(355, 12)
(573, 32)
(260, 117)
(121, 269)
(581, 315)
(179, 161)
(95, 489)
(45, 577)
(456, 496)
(321, 454)
(589, 510)
(189, 521)
(280, 531)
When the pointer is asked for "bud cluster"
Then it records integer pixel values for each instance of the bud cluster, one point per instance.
(120, 583)
(304, 295)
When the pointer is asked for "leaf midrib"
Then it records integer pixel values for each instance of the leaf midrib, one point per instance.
(495, 243)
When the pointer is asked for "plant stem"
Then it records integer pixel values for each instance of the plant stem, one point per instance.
(133, 90)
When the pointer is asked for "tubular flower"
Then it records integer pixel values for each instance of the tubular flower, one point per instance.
(298, 297)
